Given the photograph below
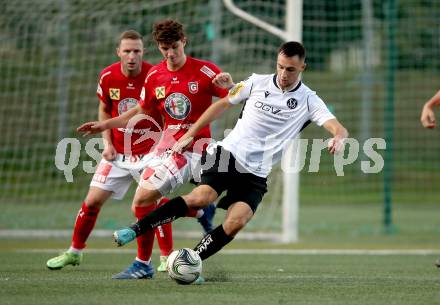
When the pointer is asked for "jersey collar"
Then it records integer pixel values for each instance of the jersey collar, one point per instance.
(291, 90)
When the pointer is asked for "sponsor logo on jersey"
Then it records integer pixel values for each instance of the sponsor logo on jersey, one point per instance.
(174, 81)
(193, 87)
(266, 107)
(177, 105)
(126, 104)
(266, 94)
(206, 70)
(160, 92)
(115, 93)
(292, 103)
(179, 126)
(237, 88)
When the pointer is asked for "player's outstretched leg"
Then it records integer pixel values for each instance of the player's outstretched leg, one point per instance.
(206, 219)
(169, 212)
(138, 270)
(124, 236)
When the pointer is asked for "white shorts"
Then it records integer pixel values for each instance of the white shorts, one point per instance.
(170, 170)
(116, 176)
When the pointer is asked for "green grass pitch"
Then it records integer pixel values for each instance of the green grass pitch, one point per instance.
(232, 278)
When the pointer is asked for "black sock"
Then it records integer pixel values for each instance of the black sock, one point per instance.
(170, 211)
(212, 242)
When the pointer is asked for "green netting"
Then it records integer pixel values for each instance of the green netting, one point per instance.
(375, 67)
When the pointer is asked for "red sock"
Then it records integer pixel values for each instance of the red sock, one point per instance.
(191, 213)
(85, 221)
(164, 234)
(144, 241)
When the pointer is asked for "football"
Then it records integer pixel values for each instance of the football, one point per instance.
(184, 266)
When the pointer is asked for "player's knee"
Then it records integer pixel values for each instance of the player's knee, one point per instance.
(199, 198)
(196, 202)
(143, 201)
(145, 197)
(94, 202)
(233, 225)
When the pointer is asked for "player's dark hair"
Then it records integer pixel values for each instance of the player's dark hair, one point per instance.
(168, 31)
(292, 48)
(130, 34)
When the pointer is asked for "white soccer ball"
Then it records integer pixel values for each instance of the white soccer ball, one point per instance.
(184, 266)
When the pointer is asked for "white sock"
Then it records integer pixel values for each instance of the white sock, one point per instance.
(74, 250)
(200, 213)
(143, 262)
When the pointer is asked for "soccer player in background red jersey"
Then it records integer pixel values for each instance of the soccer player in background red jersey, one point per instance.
(181, 88)
(119, 88)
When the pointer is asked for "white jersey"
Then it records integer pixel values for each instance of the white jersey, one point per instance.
(269, 120)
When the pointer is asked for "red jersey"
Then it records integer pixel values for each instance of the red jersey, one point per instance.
(120, 93)
(181, 97)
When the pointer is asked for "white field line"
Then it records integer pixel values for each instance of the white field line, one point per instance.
(17, 233)
(267, 251)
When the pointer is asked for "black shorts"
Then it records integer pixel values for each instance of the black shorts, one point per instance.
(221, 172)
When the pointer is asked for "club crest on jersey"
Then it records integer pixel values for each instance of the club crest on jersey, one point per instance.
(177, 105)
(160, 92)
(292, 103)
(193, 87)
(115, 93)
(126, 104)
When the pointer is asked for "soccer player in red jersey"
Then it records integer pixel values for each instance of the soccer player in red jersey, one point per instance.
(181, 88)
(119, 87)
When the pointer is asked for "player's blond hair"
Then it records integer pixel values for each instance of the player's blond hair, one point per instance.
(130, 34)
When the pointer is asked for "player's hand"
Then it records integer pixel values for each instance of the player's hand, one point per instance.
(182, 144)
(336, 145)
(109, 153)
(223, 80)
(428, 117)
(91, 128)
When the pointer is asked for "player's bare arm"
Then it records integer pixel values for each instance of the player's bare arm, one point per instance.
(116, 122)
(223, 80)
(427, 117)
(109, 152)
(212, 113)
(336, 144)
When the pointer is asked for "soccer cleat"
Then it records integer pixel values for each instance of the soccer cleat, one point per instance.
(163, 264)
(124, 236)
(206, 219)
(200, 280)
(136, 271)
(67, 258)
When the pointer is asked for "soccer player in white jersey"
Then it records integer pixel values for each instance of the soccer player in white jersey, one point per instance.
(275, 108)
